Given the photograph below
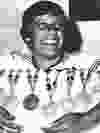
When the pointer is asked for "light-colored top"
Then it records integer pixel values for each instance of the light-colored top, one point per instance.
(68, 96)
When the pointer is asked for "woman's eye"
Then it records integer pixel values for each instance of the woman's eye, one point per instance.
(43, 26)
(59, 28)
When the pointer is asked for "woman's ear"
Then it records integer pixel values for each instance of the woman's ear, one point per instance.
(26, 34)
(28, 40)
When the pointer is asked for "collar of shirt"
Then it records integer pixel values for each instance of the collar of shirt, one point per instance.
(24, 61)
(27, 60)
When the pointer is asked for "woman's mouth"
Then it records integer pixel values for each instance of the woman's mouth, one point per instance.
(49, 42)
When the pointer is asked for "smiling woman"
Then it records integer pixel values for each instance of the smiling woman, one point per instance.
(51, 36)
(43, 81)
(70, 28)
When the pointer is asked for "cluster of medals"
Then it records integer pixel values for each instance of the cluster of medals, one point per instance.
(31, 101)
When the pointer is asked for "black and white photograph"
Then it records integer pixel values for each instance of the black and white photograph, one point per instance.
(49, 66)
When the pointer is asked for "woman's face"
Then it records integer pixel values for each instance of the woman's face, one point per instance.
(47, 35)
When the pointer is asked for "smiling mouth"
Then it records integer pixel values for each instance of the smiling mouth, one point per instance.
(49, 42)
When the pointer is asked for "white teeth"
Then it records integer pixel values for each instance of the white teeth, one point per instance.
(49, 41)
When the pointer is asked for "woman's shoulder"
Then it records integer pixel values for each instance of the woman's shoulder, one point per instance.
(5, 61)
(83, 60)
(14, 60)
(79, 61)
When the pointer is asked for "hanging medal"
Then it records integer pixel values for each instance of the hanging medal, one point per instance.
(31, 101)
(50, 109)
(11, 77)
(70, 75)
(11, 81)
(51, 88)
(84, 79)
(68, 102)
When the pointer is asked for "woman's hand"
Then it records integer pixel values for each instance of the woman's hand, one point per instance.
(10, 127)
(4, 114)
(68, 122)
(7, 122)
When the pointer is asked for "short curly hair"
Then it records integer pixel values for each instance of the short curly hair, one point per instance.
(72, 37)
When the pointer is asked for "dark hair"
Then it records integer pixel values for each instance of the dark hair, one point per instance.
(72, 36)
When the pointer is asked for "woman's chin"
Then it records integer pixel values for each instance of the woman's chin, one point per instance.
(49, 54)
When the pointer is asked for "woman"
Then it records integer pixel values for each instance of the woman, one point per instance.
(41, 87)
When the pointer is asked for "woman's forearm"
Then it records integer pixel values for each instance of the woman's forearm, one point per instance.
(78, 121)
(90, 118)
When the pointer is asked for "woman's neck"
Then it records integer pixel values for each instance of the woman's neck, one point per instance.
(45, 63)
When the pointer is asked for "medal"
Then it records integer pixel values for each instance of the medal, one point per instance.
(49, 109)
(83, 99)
(31, 101)
(70, 76)
(68, 103)
(51, 88)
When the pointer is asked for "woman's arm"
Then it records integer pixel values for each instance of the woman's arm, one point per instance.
(76, 121)
(90, 118)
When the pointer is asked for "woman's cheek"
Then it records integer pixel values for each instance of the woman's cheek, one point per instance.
(60, 37)
(43, 35)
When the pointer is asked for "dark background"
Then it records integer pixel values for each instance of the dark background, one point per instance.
(84, 9)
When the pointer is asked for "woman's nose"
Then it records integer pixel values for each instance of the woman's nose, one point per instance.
(52, 32)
